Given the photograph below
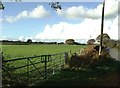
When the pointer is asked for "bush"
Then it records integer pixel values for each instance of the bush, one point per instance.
(88, 60)
(111, 43)
(118, 44)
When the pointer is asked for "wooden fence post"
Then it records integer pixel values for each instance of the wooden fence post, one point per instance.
(1, 61)
(1, 56)
(66, 57)
(28, 70)
(45, 74)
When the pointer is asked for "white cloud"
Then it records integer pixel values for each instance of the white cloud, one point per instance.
(83, 30)
(111, 11)
(10, 19)
(64, 30)
(4, 37)
(90, 26)
(111, 8)
(38, 12)
(1, 20)
(111, 27)
(23, 14)
(22, 38)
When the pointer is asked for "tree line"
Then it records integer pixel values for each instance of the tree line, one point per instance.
(107, 41)
(29, 41)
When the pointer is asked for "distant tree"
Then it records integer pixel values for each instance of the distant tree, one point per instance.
(76, 43)
(70, 41)
(91, 41)
(29, 41)
(106, 38)
(61, 43)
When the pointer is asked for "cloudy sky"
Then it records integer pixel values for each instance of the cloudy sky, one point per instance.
(76, 20)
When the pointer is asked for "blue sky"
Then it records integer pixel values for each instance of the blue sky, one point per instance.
(36, 20)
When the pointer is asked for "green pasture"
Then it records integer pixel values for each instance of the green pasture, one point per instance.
(13, 51)
(102, 72)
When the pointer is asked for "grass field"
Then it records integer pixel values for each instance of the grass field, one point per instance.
(31, 50)
(106, 72)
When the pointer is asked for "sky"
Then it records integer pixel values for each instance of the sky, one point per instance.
(76, 20)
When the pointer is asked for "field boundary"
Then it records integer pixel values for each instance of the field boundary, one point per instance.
(32, 68)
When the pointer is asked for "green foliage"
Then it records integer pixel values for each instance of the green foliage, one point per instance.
(111, 43)
(118, 44)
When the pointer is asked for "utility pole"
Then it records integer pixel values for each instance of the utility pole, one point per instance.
(102, 26)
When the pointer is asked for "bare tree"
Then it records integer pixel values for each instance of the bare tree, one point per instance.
(1, 6)
(55, 5)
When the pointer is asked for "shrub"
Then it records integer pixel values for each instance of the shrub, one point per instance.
(118, 44)
(111, 43)
(87, 60)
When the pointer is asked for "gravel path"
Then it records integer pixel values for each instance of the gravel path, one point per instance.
(114, 53)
